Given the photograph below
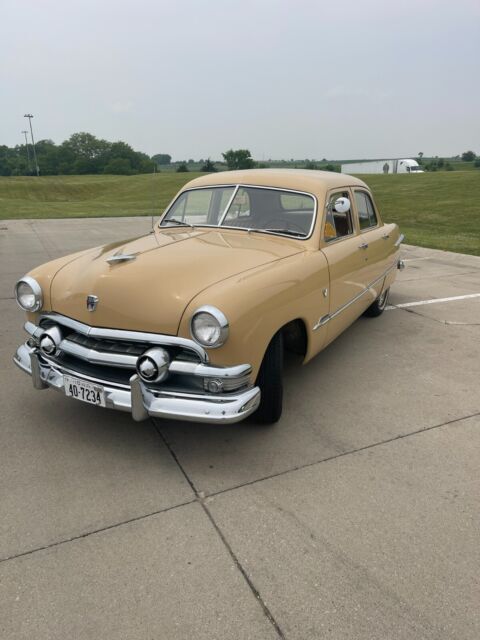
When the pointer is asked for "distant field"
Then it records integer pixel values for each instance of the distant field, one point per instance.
(439, 210)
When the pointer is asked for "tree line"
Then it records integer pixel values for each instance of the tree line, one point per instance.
(82, 153)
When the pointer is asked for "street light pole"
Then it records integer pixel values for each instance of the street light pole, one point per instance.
(30, 116)
(28, 152)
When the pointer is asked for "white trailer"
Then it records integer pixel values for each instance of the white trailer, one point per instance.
(402, 165)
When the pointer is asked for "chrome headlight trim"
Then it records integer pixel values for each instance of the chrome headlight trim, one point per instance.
(221, 320)
(36, 290)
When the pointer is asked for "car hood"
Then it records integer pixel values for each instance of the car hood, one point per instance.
(170, 267)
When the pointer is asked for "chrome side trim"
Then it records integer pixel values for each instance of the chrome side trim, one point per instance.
(324, 319)
(121, 334)
(121, 257)
(400, 240)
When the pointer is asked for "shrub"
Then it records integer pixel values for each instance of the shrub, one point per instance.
(118, 166)
(468, 156)
(208, 166)
(182, 168)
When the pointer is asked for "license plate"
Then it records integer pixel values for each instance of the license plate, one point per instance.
(84, 391)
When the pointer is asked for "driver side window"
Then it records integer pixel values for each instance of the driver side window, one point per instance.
(337, 225)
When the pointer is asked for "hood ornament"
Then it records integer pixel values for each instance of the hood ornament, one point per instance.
(121, 257)
(92, 302)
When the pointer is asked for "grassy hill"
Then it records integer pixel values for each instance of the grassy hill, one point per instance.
(439, 210)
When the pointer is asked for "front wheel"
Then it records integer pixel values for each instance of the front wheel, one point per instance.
(378, 307)
(270, 381)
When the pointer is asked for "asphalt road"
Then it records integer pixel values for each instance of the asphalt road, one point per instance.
(356, 517)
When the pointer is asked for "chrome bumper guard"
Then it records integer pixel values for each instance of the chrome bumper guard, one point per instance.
(143, 401)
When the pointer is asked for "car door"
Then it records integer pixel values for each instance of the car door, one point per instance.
(346, 262)
(373, 236)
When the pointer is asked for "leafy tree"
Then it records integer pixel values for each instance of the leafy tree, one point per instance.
(476, 164)
(310, 164)
(468, 156)
(118, 166)
(182, 168)
(208, 166)
(238, 159)
(162, 158)
(85, 145)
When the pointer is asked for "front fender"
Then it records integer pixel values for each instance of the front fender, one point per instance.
(260, 301)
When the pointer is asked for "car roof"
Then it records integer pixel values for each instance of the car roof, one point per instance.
(316, 182)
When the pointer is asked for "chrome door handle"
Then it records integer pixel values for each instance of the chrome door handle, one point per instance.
(363, 246)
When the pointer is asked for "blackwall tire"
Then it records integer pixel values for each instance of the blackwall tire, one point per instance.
(270, 381)
(378, 307)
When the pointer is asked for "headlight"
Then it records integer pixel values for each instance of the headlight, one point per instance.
(209, 327)
(28, 294)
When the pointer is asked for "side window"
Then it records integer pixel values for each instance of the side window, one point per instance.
(337, 225)
(366, 212)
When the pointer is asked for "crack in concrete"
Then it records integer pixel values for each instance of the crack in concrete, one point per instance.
(94, 531)
(32, 223)
(200, 498)
(445, 323)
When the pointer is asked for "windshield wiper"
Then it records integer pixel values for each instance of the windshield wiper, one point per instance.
(181, 223)
(296, 234)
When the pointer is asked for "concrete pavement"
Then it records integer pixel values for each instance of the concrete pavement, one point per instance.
(354, 517)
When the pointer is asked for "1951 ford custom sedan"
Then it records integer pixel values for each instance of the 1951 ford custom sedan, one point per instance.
(191, 321)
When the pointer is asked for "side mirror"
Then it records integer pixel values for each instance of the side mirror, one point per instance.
(341, 205)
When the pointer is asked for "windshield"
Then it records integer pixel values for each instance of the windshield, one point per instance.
(275, 211)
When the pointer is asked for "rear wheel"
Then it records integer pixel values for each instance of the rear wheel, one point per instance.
(270, 381)
(378, 307)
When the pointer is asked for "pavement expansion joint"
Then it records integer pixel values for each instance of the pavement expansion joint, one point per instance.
(94, 532)
(343, 454)
(202, 500)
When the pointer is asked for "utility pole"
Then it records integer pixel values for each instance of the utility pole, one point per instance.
(28, 152)
(30, 116)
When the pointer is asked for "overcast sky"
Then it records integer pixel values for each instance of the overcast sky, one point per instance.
(284, 78)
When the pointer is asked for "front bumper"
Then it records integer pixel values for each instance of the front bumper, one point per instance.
(142, 401)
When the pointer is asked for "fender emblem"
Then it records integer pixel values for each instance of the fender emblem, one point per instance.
(92, 302)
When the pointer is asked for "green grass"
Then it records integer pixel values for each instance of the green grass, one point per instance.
(439, 210)
(88, 196)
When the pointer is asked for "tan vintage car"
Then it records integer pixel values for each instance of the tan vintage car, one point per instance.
(191, 321)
